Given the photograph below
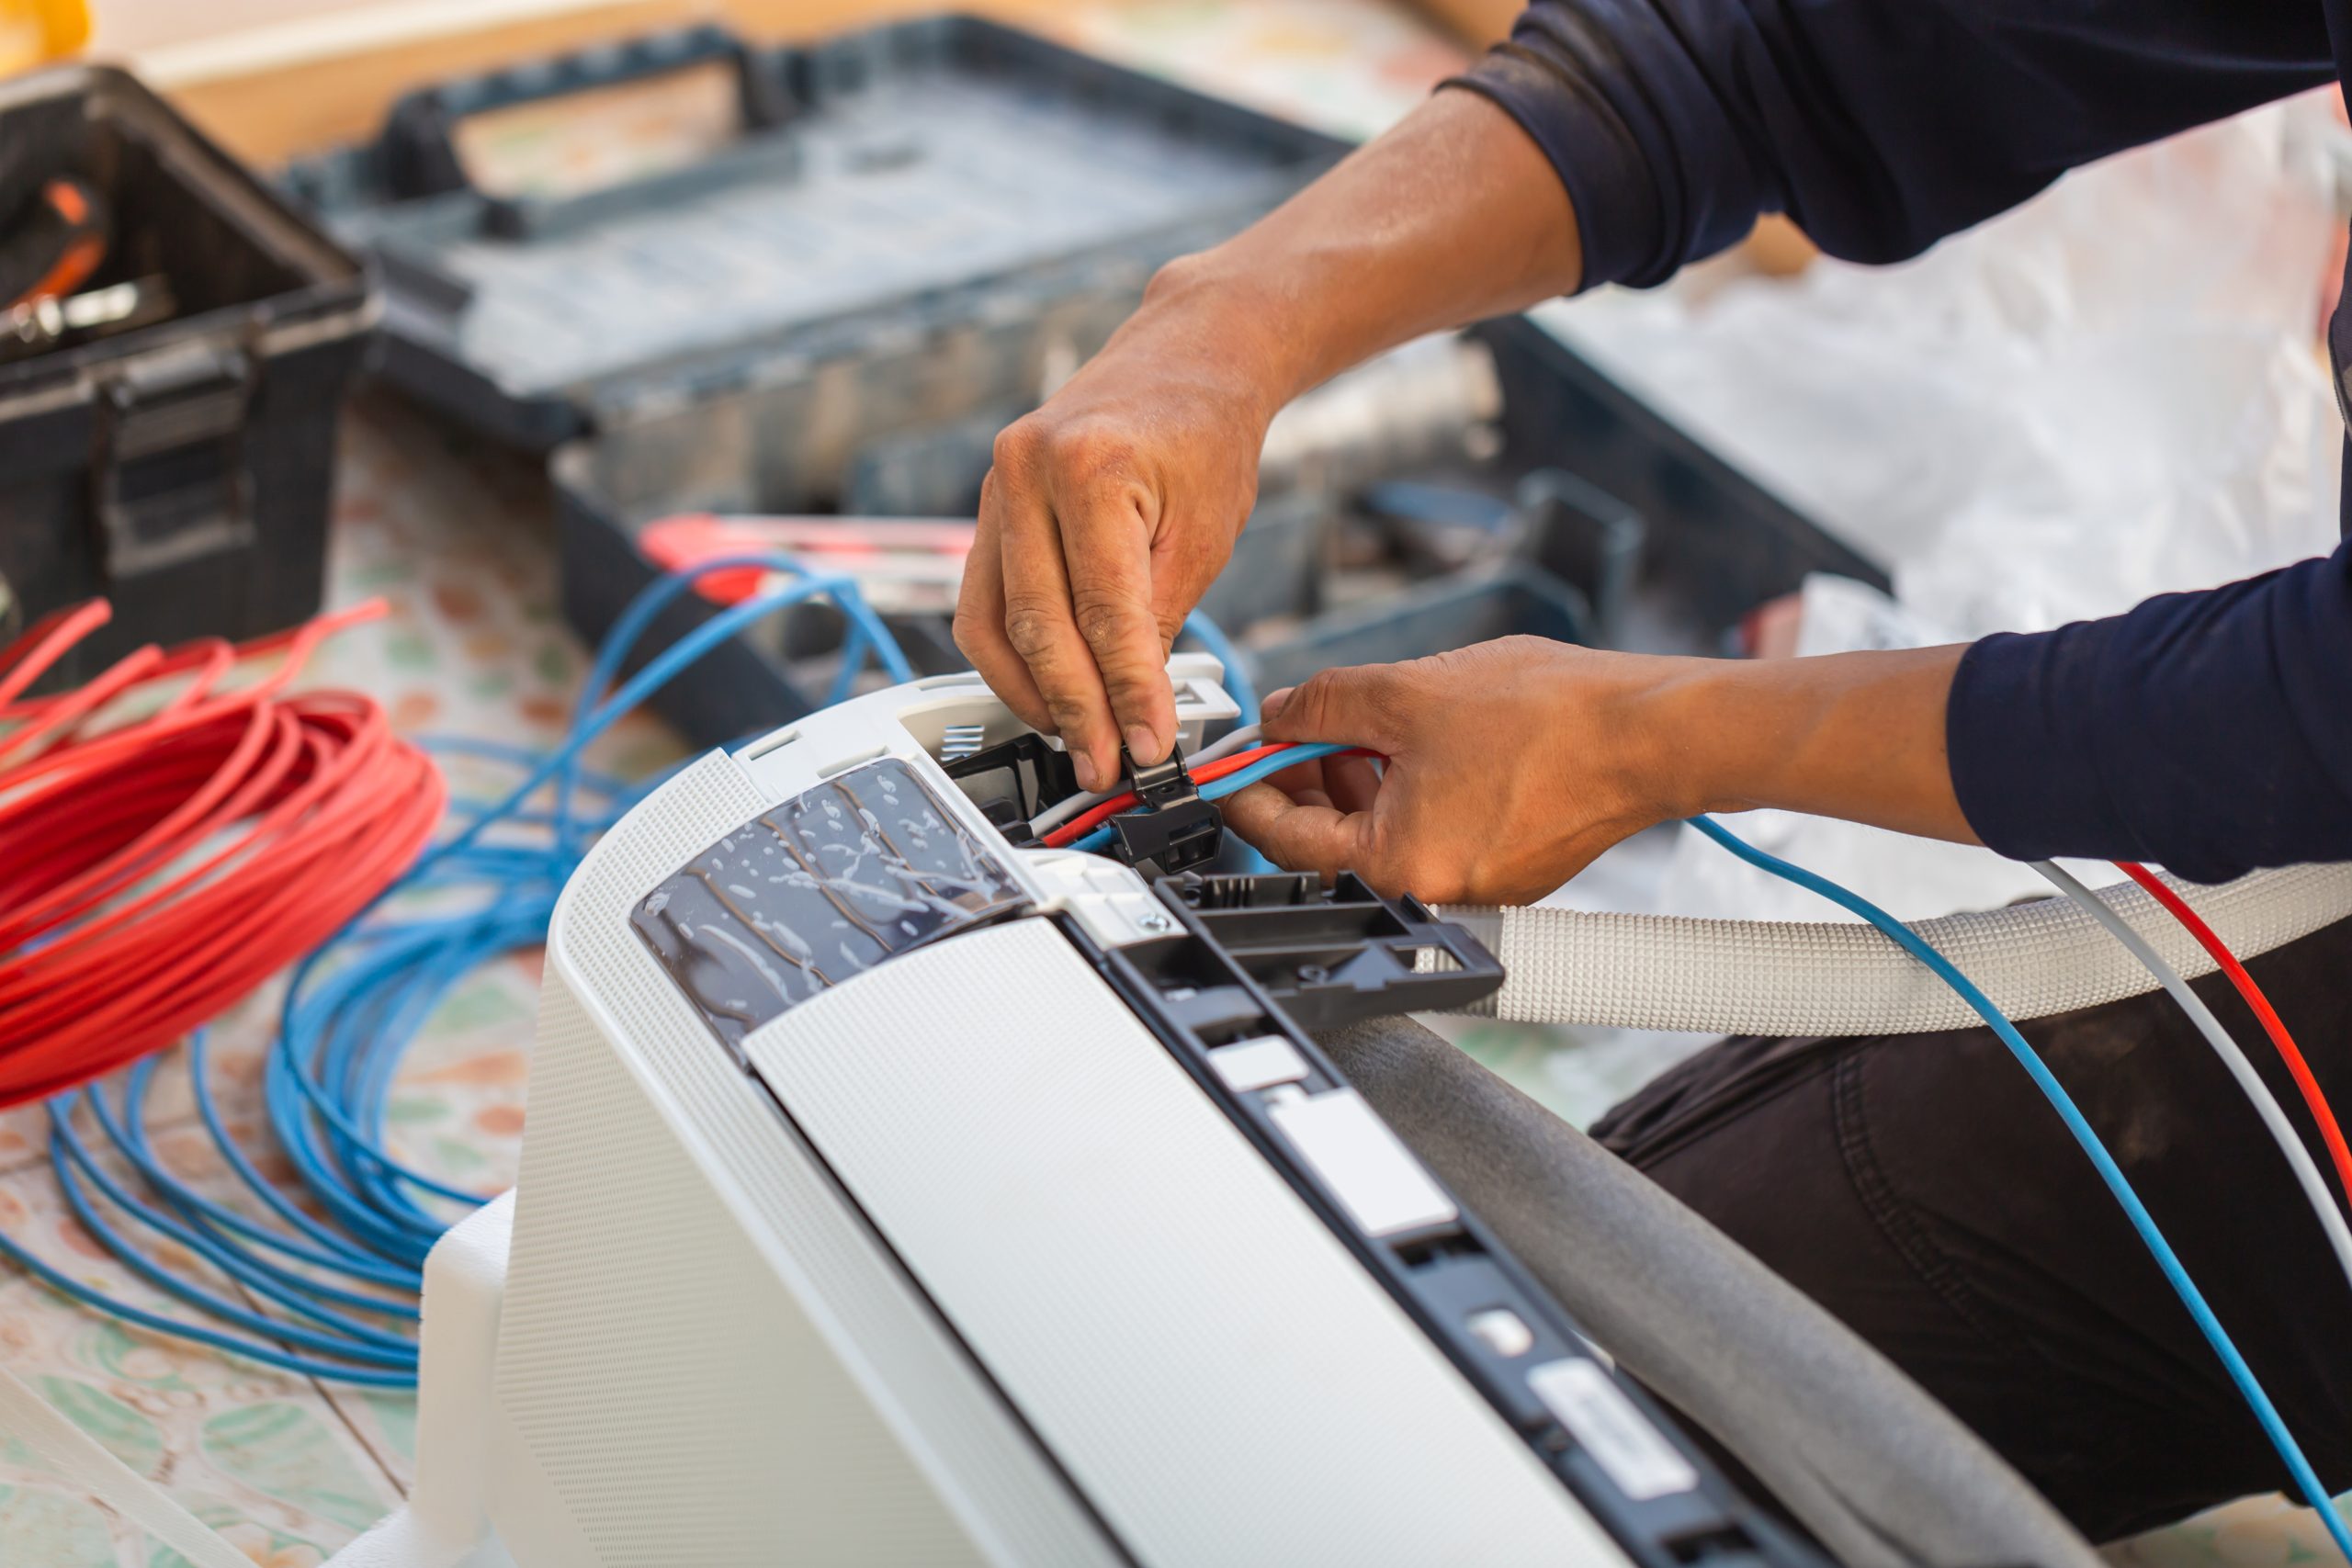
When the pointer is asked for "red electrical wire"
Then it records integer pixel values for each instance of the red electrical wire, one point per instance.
(154, 870)
(44, 643)
(2330, 1133)
(1093, 817)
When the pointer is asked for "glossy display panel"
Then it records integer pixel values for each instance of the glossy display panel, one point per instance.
(816, 889)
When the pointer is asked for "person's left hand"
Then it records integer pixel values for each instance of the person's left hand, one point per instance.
(1510, 766)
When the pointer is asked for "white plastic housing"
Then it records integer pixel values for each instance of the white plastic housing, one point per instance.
(966, 1270)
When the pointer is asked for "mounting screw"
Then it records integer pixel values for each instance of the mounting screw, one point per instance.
(1152, 922)
(1313, 974)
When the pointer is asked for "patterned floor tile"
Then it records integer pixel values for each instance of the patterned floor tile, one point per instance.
(457, 539)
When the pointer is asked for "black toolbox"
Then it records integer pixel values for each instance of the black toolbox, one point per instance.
(181, 468)
(903, 237)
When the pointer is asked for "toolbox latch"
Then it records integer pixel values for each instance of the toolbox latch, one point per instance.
(170, 474)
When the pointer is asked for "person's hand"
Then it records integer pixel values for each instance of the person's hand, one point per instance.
(1510, 766)
(1108, 514)
(1112, 508)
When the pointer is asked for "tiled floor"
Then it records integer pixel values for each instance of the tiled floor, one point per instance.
(456, 541)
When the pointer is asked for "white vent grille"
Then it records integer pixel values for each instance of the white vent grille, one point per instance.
(668, 1386)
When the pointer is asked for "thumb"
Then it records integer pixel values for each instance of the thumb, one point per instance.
(1362, 704)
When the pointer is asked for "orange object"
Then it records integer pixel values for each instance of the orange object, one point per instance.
(33, 32)
(82, 252)
(54, 245)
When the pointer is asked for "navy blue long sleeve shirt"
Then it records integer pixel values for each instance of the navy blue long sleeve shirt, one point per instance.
(2209, 732)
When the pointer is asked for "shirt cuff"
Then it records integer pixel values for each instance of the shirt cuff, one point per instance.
(1609, 187)
(2021, 769)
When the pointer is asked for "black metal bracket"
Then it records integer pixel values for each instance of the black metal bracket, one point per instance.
(1175, 829)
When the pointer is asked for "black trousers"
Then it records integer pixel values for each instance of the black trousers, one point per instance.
(1919, 1187)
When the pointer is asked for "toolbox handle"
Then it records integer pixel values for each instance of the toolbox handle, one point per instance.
(170, 471)
(418, 146)
(768, 158)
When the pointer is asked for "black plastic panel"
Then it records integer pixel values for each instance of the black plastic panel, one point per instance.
(1330, 957)
(1252, 954)
(808, 893)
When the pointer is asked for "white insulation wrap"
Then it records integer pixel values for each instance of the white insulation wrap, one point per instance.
(1717, 977)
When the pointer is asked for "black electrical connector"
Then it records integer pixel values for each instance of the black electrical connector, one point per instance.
(1014, 781)
(1173, 829)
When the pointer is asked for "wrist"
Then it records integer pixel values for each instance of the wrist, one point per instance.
(1739, 722)
(1690, 741)
(1858, 736)
(1632, 739)
(1226, 318)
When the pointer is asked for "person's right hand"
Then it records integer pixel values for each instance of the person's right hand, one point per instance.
(1509, 765)
(1112, 508)
(1108, 514)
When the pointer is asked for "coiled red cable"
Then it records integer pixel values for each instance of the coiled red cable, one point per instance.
(155, 869)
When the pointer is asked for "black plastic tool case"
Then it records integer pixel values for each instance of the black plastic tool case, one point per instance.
(182, 469)
(916, 228)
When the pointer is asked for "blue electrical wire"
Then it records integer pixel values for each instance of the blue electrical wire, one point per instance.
(1237, 686)
(327, 1080)
(351, 1172)
(1232, 783)
(66, 1285)
(2306, 1480)
(350, 1011)
(1265, 768)
(357, 1340)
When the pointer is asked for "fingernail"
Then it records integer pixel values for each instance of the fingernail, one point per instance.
(1088, 779)
(1142, 744)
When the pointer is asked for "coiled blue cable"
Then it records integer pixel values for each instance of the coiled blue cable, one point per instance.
(2273, 1427)
(344, 1162)
(350, 1011)
(328, 1081)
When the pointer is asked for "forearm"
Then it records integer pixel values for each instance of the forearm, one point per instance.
(1512, 763)
(2201, 731)
(1857, 736)
(1452, 216)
